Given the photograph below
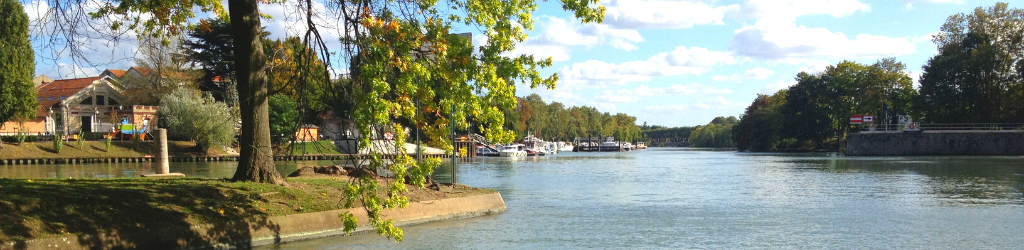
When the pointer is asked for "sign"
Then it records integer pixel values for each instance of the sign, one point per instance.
(869, 118)
(856, 119)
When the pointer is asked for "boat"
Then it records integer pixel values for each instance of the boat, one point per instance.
(641, 145)
(535, 146)
(610, 145)
(565, 146)
(485, 151)
(512, 150)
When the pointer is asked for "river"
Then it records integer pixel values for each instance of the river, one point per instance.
(686, 198)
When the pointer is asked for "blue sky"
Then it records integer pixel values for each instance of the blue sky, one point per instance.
(678, 63)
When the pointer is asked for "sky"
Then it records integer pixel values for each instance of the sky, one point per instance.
(674, 63)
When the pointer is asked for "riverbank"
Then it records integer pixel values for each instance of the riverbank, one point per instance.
(188, 212)
(98, 149)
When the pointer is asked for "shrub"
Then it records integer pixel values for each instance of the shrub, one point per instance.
(190, 114)
(58, 144)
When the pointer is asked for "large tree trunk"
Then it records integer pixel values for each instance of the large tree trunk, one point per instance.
(256, 162)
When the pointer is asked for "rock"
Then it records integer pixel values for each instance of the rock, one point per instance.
(306, 171)
(315, 170)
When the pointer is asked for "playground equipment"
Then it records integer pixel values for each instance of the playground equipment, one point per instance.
(127, 129)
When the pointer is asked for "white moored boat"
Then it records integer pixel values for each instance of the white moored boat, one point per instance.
(512, 150)
(565, 146)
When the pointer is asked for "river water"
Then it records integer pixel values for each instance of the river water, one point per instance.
(684, 198)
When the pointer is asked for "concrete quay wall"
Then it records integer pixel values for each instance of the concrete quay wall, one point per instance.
(936, 143)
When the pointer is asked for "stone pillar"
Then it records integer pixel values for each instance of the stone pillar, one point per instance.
(162, 165)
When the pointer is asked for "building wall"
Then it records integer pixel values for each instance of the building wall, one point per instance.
(307, 134)
(32, 127)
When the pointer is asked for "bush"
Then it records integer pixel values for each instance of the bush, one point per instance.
(58, 144)
(14, 139)
(190, 114)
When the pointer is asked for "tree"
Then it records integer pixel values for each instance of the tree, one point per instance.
(162, 70)
(760, 128)
(196, 116)
(284, 118)
(17, 93)
(978, 74)
(209, 45)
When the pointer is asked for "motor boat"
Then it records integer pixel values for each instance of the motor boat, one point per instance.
(512, 150)
(565, 146)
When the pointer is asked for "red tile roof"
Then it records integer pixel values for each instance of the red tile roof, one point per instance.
(141, 70)
(51, 93)
(117, 72)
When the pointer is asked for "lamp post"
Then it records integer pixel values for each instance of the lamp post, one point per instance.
(95, 118)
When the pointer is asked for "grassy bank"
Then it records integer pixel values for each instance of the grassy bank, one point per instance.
(307, 148)
(79, 208)
(96, 149)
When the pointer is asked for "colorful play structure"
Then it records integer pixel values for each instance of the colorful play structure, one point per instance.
(129, 130)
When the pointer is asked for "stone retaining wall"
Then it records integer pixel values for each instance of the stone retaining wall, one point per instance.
(936, 143)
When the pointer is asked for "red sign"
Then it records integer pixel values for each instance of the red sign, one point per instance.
(856, 119)
(869, 118)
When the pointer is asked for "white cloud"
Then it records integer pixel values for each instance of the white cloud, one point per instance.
(789, 9)
(655, 14)
(669, 109)
(560, 35)
(910, 3)
(775, 39)
(641, 92)
(775, 87)
(681, 61)
(915, 76)
(713, 103)
(751, 74)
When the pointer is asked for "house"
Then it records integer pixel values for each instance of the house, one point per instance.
(70, 106)
(307, 133)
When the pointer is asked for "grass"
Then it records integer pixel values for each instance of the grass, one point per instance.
(92, 149)
(81, 208)
(312, 148)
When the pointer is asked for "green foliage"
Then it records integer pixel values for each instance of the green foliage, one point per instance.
(108, 143)
(198, 117)
(284, 118)
(58, 144)
(761, 127)
(663, 136)
(21, 136)
(818, 107)
(80, 143)
(209, 44)
(555, 122)
(17, 92)
(978, 74)
(397, 52)
(716, 134)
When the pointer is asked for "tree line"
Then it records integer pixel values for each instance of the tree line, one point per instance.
(976, 77)
(556, 122)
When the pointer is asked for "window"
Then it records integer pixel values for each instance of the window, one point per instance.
(111, 102)
(87, 101)
(99, 100)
